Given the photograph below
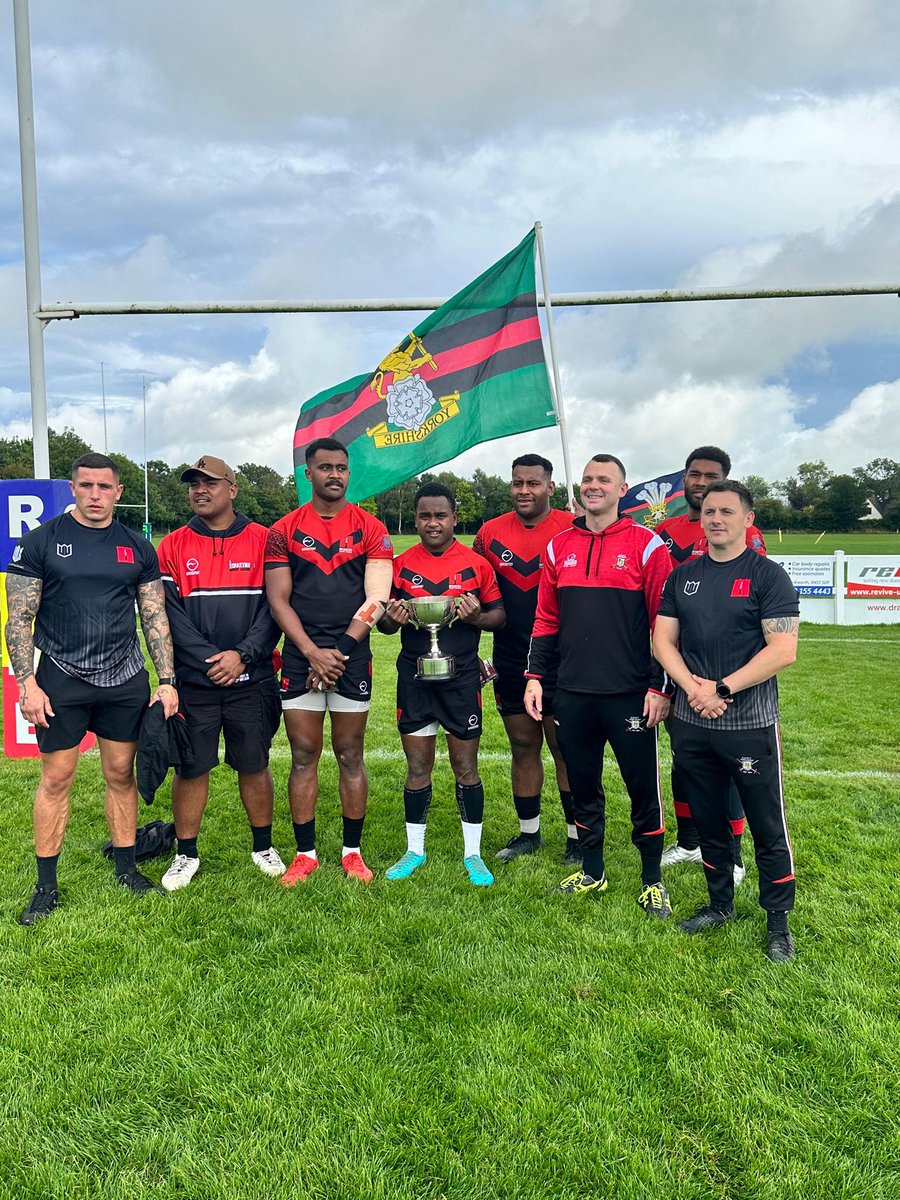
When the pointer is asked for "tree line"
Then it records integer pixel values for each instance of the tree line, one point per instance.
(814, 498)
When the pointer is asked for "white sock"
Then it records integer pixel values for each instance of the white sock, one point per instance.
(471, 838)
(572, 832)
(349, 850)
(309, 854)
(415, 838)
(530, 825)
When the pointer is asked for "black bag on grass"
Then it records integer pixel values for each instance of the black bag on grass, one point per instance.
(151, 841)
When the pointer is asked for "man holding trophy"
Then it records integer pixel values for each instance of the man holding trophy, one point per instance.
(443, 596)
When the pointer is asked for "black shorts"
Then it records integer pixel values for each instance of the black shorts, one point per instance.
(248, 714)
(354, 684)
(454, 705)
(113, 713)
(509, 691)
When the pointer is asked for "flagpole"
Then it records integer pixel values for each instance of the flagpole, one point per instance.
(555, 390)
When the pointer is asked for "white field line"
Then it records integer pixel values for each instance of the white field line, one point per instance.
(847, 641)
(378, 754)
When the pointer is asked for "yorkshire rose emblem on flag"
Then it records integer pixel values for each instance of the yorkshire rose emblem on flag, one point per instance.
(472, 371)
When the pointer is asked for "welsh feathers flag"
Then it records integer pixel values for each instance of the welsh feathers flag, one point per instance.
(655, 499)
(472, 371)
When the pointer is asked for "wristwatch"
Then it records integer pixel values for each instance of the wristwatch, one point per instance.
(167, 681)
(246, 657)
(723, 691)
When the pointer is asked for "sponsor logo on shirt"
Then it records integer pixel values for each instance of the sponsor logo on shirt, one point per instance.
(308, 543)
(192, 566)
(17, 554)
(740, 587)
(64, 550)
(473, 721)
(124, 554)
(692, 586)
(386, 543)
(506, 556)
(416, 581)
(571, 560)
(238, 566)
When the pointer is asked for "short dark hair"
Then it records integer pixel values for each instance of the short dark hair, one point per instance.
(741, 490)
(713, 454)
(95, 462)
(608, 458)
(434, 489)
(324, 444)
(534, 460)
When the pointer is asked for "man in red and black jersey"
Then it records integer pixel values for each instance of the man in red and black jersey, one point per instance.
(513, 544)
(328, 575)
(597, 601)
(728, 624)
(213, 572)
(685, 539)
(441, 566)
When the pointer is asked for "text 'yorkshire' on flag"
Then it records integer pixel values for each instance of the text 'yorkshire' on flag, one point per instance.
(472, 371)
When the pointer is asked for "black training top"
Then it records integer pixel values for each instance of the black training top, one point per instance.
(90, 577)
(720, 607)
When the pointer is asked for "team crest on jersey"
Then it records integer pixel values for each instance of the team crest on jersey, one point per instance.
(64, 549)
(409, 400)
(691, 587)
(747, 765)
(634, 724)
(571, 560)
(621, 560)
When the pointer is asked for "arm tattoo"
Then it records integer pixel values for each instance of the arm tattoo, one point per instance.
(781, 625)
(23, 595)
(152, 607)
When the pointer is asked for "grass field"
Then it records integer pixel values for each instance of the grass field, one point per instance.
(429, 1039)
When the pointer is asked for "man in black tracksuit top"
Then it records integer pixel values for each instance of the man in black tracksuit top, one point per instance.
(728, 623)
(597, 601)
(213, 572)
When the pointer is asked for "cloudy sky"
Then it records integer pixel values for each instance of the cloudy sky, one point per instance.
(214, 150)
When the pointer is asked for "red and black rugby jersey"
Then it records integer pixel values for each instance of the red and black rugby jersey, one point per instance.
(216, 597)
(327, 558)
(515, 552)
(597, 601)
(685, 538)
(418, 572)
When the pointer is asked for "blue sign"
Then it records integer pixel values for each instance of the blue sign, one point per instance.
(25, 504)
(811, 590)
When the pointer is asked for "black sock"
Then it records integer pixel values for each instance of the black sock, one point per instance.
(46, 869)
(353, 832)
(651, 871)
(416, 803)
(262, 837)
(593, 864)
(305, 834)
(777, 922)
(527, 807)
(470, 799)
(738, 859)
(187, 847)
(568, 806)
(687, 836)
(124, 859)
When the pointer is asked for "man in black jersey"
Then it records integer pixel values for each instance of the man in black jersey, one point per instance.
(727, 624)
(77, 578)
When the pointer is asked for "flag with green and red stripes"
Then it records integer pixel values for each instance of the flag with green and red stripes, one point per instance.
(472, 371)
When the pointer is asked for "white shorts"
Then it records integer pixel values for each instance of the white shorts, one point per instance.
(429, 730)
(320, 701)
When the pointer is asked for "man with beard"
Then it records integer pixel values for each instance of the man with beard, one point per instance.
(514, 545)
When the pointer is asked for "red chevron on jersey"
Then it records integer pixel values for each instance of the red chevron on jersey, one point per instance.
(413, 583)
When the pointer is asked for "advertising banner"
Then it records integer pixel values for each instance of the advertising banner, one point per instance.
(810, 576)
(878, 576)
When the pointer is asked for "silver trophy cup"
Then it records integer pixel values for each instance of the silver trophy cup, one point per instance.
(433, 613)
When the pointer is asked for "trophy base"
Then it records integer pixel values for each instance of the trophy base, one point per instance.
(435, 670)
